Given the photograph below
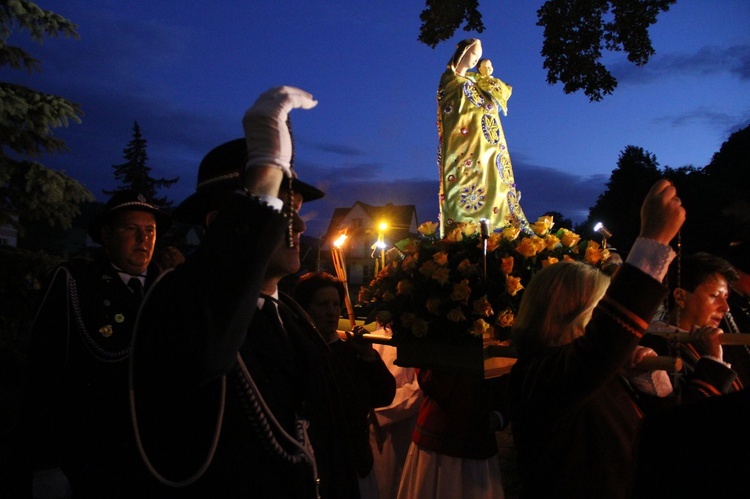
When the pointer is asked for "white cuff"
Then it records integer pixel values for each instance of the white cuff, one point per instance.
(264, 199)
(651, 257)
(276, 162)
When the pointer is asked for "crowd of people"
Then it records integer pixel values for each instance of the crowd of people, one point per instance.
(205, 380)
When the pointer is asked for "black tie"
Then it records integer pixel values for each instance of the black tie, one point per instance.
(273, 314)
(136, 287)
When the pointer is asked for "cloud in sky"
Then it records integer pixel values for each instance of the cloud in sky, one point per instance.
(709, 59)
(339, 149)
(701, 114)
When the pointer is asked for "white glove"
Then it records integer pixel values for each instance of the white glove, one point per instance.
(50, 484)
(266, 132)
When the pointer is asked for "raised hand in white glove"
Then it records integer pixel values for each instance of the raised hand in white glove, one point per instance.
(266, 133)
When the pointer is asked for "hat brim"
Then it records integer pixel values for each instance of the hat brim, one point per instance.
(220, 174)
(307, 191)
(194, 208)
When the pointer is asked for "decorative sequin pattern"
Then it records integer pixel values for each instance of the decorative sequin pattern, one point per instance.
(472, 198)
(473, 94)
(476, 174)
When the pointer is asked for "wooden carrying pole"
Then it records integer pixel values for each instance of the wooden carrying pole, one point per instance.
(659, 363)
(340, 266)
(682, 336)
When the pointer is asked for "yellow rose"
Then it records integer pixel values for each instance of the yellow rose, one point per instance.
(433, 305)
(569, 238)
(410, 262)
(428, 268)
(551, 241)
(568, 258)
(412, 246)
(550, 260)
(441, 275)
(481, 328)
(428, 228)
(404, 287)
(528, 246)
(461, 292)
(466, 268)
(455, 235)
(507, 265)
(467, 228)
(510, 233)
(513, 285)
(493, 241)
(542, 225)
(595, 254)
(387, 270)
(538, 243)
(441, 258)
(506, 318)
(456, 315)
(419, 327)
(483, 307)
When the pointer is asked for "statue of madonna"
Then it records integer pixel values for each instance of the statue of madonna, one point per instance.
(476, 175)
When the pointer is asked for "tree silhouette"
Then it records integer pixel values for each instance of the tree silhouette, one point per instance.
(716, 197)
(575, 34)
(560, 221)
(619, 206)
(27, 188)
(442, 18)
(730, 167)
(135, 174)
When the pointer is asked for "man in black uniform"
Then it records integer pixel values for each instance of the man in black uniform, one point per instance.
(80, 436)
(228, 373)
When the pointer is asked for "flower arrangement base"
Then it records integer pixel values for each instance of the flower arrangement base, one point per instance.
(467, 357)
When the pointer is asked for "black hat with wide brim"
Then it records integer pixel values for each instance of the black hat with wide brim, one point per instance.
(220, 173)
(127, 201)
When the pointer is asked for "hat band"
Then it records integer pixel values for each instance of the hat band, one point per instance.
(220, 178)
(132, 203)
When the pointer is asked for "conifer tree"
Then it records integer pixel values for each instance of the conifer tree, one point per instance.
(27, 188)
(135, 174)
(619, 207)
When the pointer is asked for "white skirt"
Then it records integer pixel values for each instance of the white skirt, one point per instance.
(429, 475)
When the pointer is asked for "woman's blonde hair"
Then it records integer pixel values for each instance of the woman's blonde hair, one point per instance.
(557, 304)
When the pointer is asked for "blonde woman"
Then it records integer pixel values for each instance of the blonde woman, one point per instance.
(574, 418)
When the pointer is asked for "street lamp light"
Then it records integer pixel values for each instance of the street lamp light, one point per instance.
(604, 232)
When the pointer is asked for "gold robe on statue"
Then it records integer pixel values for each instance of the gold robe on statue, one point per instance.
(476, 175)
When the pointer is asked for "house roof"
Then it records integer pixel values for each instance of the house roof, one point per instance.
(400, 218)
